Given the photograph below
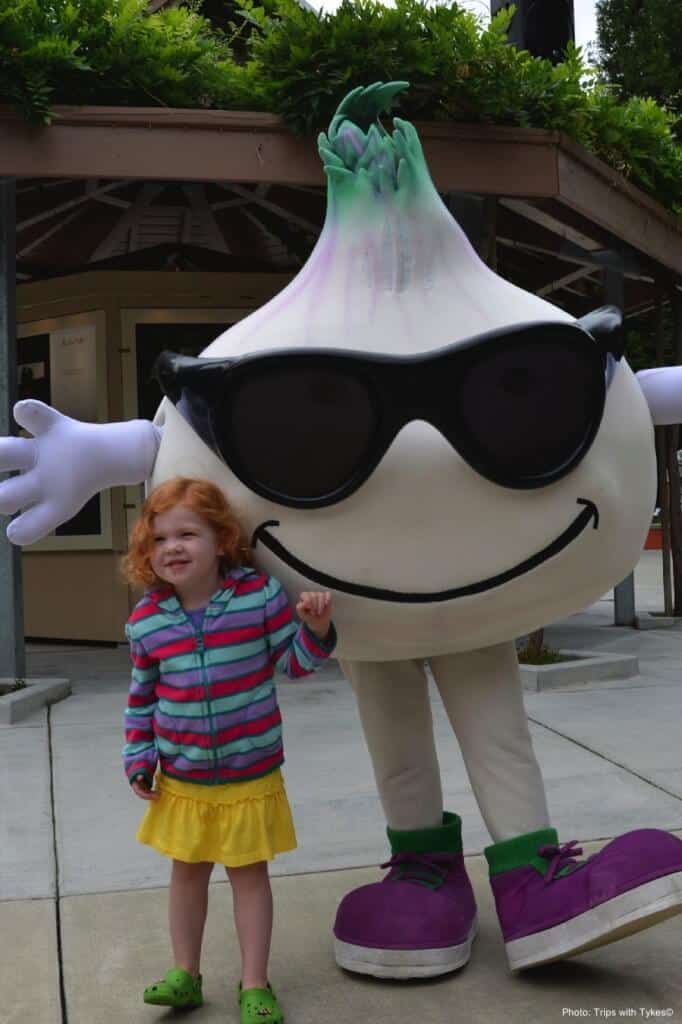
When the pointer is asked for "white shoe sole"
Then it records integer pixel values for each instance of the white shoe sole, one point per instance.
(404, 963)
(624, 915)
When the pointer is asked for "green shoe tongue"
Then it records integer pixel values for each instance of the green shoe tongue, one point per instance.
(520, 851)
(445, 838)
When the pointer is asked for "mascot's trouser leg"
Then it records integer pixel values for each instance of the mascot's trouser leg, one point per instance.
(421, 919)
(482, 695)
(549, 904)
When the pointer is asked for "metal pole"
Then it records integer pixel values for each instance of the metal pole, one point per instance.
(662, 435)
(12, 652)
(624, 611)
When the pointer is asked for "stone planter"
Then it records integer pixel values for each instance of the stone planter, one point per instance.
(656, 620)
(578, 667)
(16, 704)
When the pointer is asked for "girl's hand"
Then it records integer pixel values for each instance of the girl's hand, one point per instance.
(315, 609)
(140, 787)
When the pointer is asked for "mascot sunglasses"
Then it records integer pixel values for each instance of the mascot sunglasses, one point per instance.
(306, 427)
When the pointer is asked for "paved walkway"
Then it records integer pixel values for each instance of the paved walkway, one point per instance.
(82, 906)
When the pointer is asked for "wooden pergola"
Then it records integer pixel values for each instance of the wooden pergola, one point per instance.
(238, 189)
(214, 190)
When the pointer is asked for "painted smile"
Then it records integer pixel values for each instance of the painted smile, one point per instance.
(589, 514)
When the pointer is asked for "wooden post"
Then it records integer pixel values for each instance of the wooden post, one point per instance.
(12, 651)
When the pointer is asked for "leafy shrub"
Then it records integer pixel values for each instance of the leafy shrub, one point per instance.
(543, 656)
(280, 57)
(111, 52)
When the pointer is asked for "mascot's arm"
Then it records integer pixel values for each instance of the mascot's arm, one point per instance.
(662, 387)
(65, 463)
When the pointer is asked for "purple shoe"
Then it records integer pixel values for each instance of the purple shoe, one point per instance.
(420, 920)
(552, 906)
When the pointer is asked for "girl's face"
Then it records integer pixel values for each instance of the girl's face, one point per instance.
(186, 553)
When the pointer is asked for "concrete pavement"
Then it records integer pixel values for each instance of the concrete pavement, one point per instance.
(610, 754)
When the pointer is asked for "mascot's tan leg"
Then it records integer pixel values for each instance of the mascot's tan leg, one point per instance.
(395, 712)
(481, 692)
(547, 908)
(421, 919)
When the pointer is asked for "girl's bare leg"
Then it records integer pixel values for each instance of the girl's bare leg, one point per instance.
(187, 906)
(252, 899)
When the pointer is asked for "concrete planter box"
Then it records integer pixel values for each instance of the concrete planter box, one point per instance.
(16, 704)
(656, 620)
(579, 667)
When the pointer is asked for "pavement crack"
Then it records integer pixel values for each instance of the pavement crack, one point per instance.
(57, 893)
(605, 757)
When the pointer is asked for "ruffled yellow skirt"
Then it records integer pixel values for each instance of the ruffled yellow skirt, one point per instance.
(235, 824)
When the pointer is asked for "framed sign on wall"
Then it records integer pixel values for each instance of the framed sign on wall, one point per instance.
(62, 361)
(145, 333)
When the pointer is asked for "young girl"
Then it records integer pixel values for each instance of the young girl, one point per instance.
(205, 640)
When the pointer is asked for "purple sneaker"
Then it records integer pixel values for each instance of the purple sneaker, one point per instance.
(420, 920)
(552, 906)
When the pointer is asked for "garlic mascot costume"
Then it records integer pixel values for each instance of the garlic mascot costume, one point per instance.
(459, 462)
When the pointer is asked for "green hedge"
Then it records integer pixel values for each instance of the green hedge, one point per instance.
(288, 60)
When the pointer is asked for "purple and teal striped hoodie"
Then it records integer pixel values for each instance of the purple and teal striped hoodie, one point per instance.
(202, 703)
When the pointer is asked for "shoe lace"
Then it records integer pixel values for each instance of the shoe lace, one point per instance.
(562, 859)
(429, 869)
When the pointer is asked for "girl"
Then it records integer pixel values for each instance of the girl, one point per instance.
(205, 640)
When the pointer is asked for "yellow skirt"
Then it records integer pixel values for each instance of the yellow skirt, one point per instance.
(235, 824)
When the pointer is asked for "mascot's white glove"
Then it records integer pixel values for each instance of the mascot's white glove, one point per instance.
(662, 387)
(65, 463)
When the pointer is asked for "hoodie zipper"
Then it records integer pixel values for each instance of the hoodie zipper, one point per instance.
(201, 649)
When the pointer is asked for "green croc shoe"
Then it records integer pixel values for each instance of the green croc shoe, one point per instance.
(177, 989)
(259, 1006)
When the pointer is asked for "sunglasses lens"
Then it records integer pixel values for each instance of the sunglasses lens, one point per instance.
(299, 434)
(530, 410)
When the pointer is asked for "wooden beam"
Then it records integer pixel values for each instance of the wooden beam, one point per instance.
(40, 185)
(595, 190)
(55, 229)
(552, 223)
(561, 282)
(287, 215)
(78, 201)
(270, 237)
(196, 194)
(566, 256)
(107, 247)
(215, 145)
(122, 204)
(157, 144)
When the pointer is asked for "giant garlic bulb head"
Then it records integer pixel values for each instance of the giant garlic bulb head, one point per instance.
(428, 554)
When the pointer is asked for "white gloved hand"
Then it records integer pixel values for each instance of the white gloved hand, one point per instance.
(662, 387)
(65, 463)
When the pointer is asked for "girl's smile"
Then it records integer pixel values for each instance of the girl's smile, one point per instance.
(186, 555)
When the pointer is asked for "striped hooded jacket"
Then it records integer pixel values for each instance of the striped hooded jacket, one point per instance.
(202, 703)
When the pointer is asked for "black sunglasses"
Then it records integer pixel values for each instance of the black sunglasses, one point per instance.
(306, 427)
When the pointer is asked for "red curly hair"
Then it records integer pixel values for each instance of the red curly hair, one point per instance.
(207, 501)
